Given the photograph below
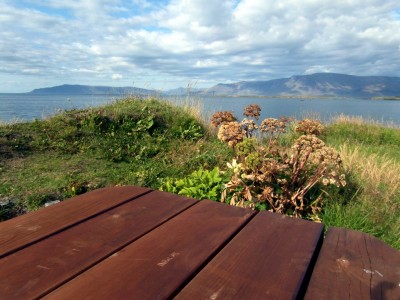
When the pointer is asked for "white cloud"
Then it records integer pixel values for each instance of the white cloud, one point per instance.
(207, 63)
(117, 76)
(93, 41)
(31, 71)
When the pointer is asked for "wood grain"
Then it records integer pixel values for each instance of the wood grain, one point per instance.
(29, 228)
(53, 261)
(131, 242)
(268, 259)
(355, 265)
(158, 263)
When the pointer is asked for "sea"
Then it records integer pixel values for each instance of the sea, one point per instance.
(28, 107)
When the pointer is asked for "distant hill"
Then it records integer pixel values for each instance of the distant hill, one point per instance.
(76, 89)
(184, 91)
(316, 85)
(319, 84)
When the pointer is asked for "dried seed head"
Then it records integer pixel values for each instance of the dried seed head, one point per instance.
(327, 156)
(272, 125)
(308, 143)
(253, 110)
(231, 133)
(308, 126)
(249, 125)
(222, 117)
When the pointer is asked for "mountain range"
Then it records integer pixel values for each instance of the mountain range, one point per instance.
(314, 85)
(76, 89)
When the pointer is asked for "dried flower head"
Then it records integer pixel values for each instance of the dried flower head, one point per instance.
(342, 180)
(252, 110)
(249, 126)
(222, 117)
(334, 179)
(308, 143)
(269, 125)
(272, 125)
(327, 156)
(308, 126)
(231, 133)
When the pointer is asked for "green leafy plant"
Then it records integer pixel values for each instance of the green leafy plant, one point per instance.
(191, 131)
(144, 124)
(201, 184)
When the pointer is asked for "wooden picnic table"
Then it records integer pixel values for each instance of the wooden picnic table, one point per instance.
(136, 243)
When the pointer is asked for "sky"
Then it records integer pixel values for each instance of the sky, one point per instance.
(161, 44)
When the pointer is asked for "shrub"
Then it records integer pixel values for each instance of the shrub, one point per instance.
(286, 180)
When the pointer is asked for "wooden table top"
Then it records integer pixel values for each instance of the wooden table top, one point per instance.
(136, 243)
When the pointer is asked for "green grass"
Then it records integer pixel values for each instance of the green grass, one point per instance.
(371, 158)
(372, 138)
(148, 142)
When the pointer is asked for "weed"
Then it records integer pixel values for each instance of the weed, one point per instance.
(201, 184)
(267, 175)
(191, 131)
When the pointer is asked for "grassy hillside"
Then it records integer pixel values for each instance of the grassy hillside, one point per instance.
(151, 143)
(135, 142)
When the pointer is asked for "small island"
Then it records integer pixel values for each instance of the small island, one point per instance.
(386, 98)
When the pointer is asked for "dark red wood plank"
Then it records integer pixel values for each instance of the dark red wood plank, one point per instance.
(26, 229)
(154, 266)
(355, 265)
(268, 259)
(51, 262)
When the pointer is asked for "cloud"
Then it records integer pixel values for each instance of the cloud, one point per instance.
(180, 41)
(117, 76)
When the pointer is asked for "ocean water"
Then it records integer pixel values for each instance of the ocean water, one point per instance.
(26, 107)
(324, 109)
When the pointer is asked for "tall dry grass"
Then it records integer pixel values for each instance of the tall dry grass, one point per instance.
(378, 174)
(195, 108)
(360, 120)
(378, 198)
